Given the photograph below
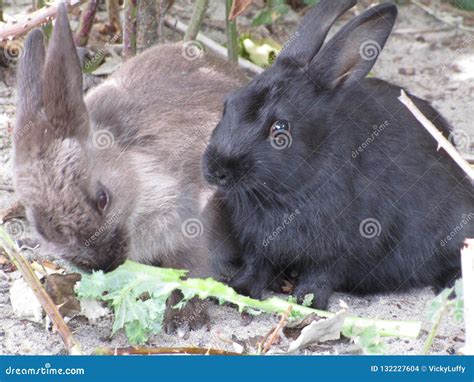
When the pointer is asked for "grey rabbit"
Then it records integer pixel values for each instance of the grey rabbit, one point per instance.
(115, 174)
(322, 173)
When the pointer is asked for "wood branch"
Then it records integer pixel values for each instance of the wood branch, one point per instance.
(147, 24)
(467, 260)
(283, 321)
(150, 351)
(41, 16)
(212, 45)
(129, 29)
(196, 20)
(86, 22)
(72, 346)
(442, 141)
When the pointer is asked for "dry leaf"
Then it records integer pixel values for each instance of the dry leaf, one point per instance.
(238, 7)
(61, 290)
(319, 331)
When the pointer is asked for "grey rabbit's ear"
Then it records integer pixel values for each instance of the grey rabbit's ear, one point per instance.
(30, 74)
(310, 36)
(350, 55)
(62, 85)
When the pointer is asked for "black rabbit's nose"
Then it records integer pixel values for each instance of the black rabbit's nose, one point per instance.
(218, 176)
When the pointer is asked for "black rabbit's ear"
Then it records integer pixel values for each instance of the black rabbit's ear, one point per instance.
(30, 74)
(352, 52)
(310, 36)
(62, 84)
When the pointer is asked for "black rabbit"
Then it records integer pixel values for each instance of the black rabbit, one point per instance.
(322, 171)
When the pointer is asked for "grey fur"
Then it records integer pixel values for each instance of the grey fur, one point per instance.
(139, 135)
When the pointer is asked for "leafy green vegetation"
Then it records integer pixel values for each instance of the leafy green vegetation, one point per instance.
(443, 304)
(137, 294)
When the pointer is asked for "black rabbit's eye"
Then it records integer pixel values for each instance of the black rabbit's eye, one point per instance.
(102, 200)
(280, 126)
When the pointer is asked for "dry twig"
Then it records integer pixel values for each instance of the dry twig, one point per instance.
(284, 319)
(72, 346)
(33, 20)
(442, 141)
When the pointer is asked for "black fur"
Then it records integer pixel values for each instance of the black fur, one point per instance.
(356, 153)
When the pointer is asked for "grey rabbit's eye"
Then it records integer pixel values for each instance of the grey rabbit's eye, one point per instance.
(102, 200)
(279, 126)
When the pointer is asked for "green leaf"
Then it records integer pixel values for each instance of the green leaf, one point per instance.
(265, 17)
(137, 293)
(308, 299)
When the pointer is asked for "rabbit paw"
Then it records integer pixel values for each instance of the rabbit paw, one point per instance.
(192, 316)
(321, 293)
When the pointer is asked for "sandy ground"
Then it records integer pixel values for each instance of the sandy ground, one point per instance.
(436, 65)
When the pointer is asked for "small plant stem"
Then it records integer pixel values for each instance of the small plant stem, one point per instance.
(86, 22)
(196, 20)
(147, 24)
(434, 330)
(232, 38)
(130, 29)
